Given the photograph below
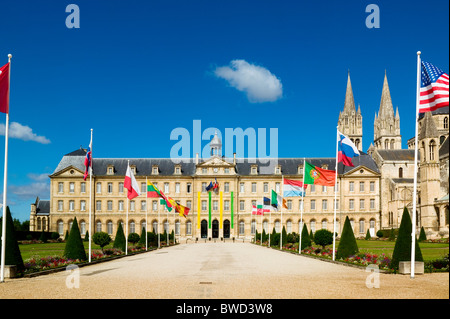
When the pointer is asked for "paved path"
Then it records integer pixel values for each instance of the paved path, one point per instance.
(223, 271)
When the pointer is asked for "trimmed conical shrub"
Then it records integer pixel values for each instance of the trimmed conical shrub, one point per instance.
(119, 241)
(347, 244)
(142, 238)
(306, 240)
(74, 246)
(368, 237)
(12, 251)
(402, 249)
(422, 236)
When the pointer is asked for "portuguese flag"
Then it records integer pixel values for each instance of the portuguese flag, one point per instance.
(319, 176)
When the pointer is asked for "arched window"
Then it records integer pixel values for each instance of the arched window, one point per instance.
(83, 227)
(155, 226)
(289, 227)
(241, 227)
(99, 226)
(277, 226)
(392, 144)
(188, 227)
(446, 122)
(253, 227)
(432, 148)
(177, 227)
(60, 227)
(400, 172)
(109, 227)
(386, 144)
(313, 225)
(361, 226)
(132, 227)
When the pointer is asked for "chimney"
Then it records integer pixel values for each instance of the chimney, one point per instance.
(196, 158)
(234, 158)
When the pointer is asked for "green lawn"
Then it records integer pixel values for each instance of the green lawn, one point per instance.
(430, 251)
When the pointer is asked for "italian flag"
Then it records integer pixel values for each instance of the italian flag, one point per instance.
(319, 176)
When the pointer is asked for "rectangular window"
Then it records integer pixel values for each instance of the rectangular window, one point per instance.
(177, 188)
(336, 203)
(155, 205)
(361, 226)
(121, 187)
(277, 187)
(253, 187)
(120, 205)
(204, 170)
(109, 205)
(188, 188)
(372, 187)
(60, 205)
(266, 187)
(313, 204)
(226, 205)
(71, 187)
(143, 188)
(110, 188)
(241, 187)
(226, 170)
(132, 205)
(289, 204)
(361, 187)
(351, 186)
(215, 205)
(83, 205)
(71, 205)
(300, 205)
(203, 187)
(351, 204)
(254, 203)
(324, 189)
(83, 187)
(226, 187)
(324, 204)
(166, 188)
(241, 205)
(204, 206)
(189, 204)
(361, 204)
(61, 187)
(98, 205)
(372, 203)
(99, 188)
(143, 205)
(313, 188)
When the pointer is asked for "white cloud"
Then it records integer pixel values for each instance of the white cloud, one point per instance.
(23, 132)
(257, 82)
(38, 177)
(30, 191)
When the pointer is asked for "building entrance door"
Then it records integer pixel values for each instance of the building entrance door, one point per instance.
(215, 229)
(204, 229)
(226, 228)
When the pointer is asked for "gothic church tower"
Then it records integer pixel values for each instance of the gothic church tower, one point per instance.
(350, 120)
(387, 125)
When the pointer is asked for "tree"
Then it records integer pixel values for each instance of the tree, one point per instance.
(347, 244)
(306, 240)
(402, 249)
(323, 237)
(86, 236)
(101, 238)
(133, 238)
(119, 241)
(142, 238)
(368, 237)
(74, 246)
(284, 237)
(422, 236)
(12, 251)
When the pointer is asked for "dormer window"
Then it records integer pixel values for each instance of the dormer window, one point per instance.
(278, 170)
(254, 169)
(325, 166)
(155, 170)
(177, 170)
(300, 169)
(110, 170)
(204, 170)
(133, 169)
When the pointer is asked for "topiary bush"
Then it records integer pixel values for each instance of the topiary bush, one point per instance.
(74, 246)
(119, 241)
(347, 244)
(422, 236)
(133, 238)
(323, 237)
(402, 249)
(12, 251)
(102, 239)
(306, 240)
(368, 237)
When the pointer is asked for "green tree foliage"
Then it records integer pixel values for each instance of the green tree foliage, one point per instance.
(74, 246)
(422, 236)
(142, 238)
(119, 241)
(323, 237)
(12, 251)
(133, 238)
(347, 244)
(306, 240)
(402, 249)
(101, 238)
(368, 237)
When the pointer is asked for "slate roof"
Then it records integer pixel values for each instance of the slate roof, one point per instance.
(166, 166)
(397, 155)
(43, 207)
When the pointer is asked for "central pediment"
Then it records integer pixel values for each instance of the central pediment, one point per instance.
(216, 162)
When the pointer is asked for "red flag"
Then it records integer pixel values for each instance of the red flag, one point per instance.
(4, 88)
(131, 185)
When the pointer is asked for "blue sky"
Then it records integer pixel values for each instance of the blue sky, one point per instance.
(136, 70)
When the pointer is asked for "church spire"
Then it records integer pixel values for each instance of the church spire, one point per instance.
(386, 107)
(349, 104)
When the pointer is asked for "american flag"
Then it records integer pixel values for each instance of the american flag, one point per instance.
(433, 88)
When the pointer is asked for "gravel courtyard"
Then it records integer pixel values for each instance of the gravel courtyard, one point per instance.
(224, 271)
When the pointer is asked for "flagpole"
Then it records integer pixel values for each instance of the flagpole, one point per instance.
(5, 179)
(146, 213)
(90, 202)
(157, 225)
(335, 195)
(281, 224)
(301, 212)
(413, 232)
(126, 226)
(262, 220)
